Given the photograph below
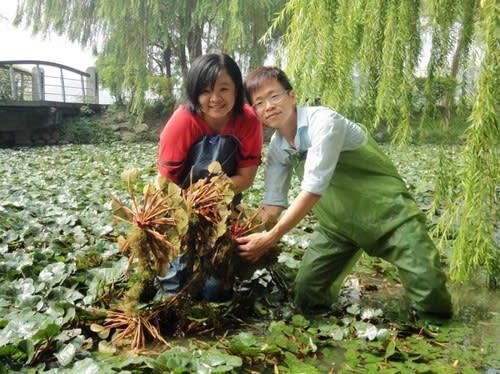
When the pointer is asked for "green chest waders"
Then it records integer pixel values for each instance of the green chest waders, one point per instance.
(367, 206)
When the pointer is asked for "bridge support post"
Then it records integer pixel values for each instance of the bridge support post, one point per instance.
(13, 84)
(92, 87)
(38, 84)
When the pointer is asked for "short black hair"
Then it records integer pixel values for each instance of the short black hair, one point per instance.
(204, 72)
(262, 74)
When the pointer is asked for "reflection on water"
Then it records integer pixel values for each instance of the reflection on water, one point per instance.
(474, 302)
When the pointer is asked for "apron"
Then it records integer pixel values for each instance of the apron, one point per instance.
(367, 206)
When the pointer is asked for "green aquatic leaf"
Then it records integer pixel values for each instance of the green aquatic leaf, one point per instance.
(289, 260)
(338, 333)
(54, 274)
(294, 365)
(55, 208)
(87, 365)
(176, 359)
(390, 349)
(48, 332)
(66, 355)
(217, 361)
(298, 320)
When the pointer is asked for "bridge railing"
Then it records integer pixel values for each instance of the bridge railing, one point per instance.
(34, 80)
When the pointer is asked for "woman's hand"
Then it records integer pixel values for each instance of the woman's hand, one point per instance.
(244, 178)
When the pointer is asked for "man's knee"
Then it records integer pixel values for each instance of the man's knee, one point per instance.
(308, 295)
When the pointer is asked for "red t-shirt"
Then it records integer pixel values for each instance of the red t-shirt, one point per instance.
(184, 128)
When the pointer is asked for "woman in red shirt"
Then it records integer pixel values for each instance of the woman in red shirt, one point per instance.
(214, 114)
(214, 109)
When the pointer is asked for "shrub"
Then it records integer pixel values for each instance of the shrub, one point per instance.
(86, 130)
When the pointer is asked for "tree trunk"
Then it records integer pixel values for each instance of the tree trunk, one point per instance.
(167, 61)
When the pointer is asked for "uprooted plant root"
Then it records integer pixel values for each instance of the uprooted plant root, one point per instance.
(199, 223)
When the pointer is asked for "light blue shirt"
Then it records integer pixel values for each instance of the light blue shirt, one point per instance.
(323, 134)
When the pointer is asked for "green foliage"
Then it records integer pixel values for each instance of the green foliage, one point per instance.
(370, 56)
(436, 134)
(5, 90)
(183, 360)
(399, 55)
(162, 87)
(304, 44)
(86, 129)
(358, 56)
(158, 39)
(59, 259)
(434, 105)
(361, 58)
(443, 14)
(476, 246)
(143, 137)
(111, 75)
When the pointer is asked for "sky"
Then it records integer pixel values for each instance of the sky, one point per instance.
(18, 43)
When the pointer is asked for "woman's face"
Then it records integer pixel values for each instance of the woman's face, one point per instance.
(217, 104)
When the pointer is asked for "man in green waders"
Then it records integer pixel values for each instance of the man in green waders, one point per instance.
(355, 193)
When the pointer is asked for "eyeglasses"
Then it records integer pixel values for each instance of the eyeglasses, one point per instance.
(275, 98)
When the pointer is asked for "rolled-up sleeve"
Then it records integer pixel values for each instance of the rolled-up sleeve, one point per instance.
(329, 134)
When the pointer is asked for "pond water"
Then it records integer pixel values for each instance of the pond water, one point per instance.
(474, 329)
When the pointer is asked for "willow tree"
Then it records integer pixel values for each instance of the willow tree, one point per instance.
(475, 245)
(361, 57)
(146, 44)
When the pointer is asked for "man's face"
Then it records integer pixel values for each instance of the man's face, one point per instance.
(273, 104)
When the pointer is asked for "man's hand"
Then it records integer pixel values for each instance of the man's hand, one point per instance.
(253, 246)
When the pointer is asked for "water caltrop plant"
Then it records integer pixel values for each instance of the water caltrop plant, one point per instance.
(197, 223)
